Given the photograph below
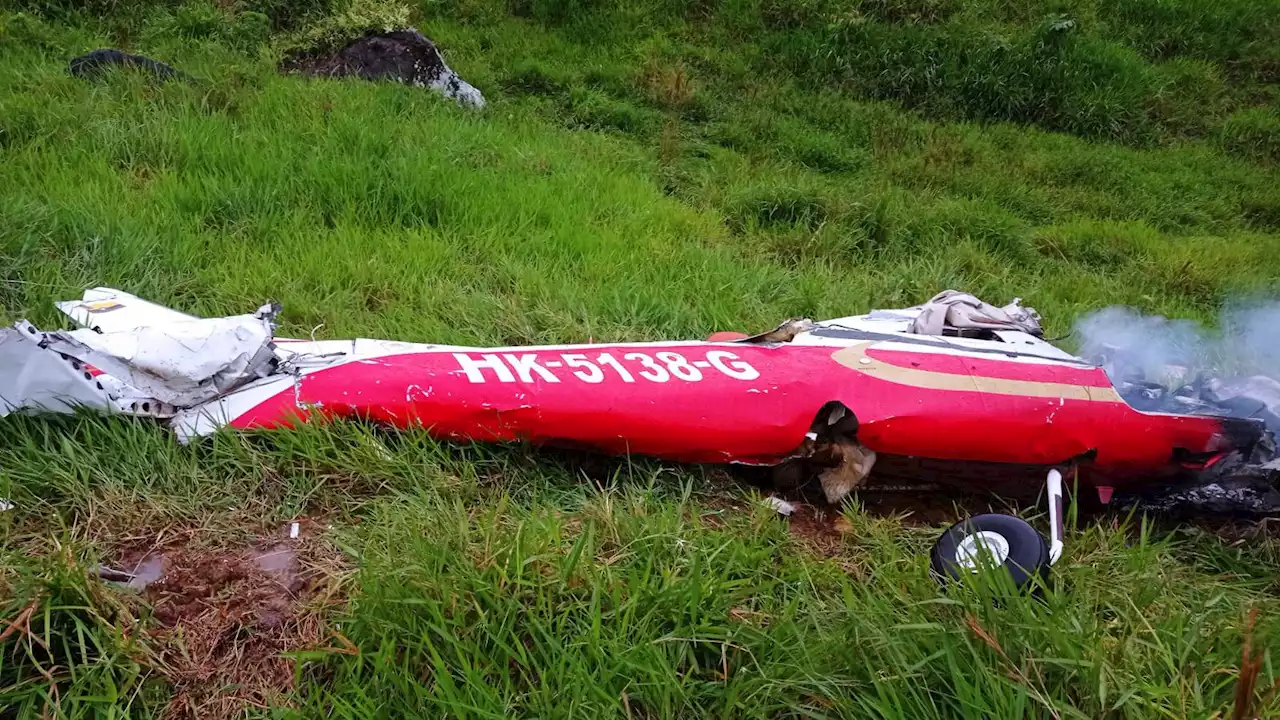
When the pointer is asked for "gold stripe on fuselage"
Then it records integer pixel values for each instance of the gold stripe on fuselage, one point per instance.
(855, 357)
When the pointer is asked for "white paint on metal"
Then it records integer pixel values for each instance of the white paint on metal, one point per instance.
(1054, 482)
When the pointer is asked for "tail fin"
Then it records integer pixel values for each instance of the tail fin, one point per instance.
(106, 310)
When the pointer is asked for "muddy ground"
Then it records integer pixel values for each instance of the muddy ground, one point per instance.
(225, 617)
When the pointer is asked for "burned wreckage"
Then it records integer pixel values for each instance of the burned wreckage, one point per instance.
(956, 390)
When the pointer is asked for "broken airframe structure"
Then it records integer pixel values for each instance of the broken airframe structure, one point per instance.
(954, 391)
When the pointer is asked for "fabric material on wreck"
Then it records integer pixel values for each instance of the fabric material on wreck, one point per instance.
(955, 309)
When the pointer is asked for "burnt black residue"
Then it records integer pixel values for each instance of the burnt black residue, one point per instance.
(1246, 482)
(1175, 365)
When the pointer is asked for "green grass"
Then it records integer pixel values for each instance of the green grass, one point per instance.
(642, 172)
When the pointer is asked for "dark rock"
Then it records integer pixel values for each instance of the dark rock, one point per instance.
(403, 55)
(94, 64)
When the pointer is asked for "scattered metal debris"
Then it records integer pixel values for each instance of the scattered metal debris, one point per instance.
(110, 574)
(780, 506)
(148, 569)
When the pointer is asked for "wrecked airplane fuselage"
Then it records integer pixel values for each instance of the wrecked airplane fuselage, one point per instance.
(955, 391)
(942, 383)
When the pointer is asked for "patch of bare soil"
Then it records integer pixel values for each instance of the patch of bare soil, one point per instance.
(816, 527)
(224, 619)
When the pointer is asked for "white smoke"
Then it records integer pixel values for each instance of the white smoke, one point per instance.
(1131, 345)
(1236, 366)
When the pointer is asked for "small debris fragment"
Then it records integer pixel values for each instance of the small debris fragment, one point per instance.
(782, 507)
(293, 531)
(280, 561)
(110, 574)
(5, 504)
(148, 570)
(94, 64)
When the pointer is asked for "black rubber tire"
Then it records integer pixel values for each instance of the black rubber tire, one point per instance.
(1028, 550)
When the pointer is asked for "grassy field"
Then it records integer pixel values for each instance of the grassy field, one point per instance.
(643, 171)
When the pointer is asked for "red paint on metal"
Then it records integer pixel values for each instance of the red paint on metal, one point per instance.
(994, 367)
(278, 411)
(722, 418)
(726, 336)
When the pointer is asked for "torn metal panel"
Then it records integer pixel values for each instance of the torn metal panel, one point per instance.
(278, 392)
(785, 332)
(183, 362)
(106, 310)
(35, 379)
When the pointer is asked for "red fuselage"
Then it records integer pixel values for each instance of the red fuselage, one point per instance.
(753, 403)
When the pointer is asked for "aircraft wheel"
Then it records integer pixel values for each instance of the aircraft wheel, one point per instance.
(991, 541)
